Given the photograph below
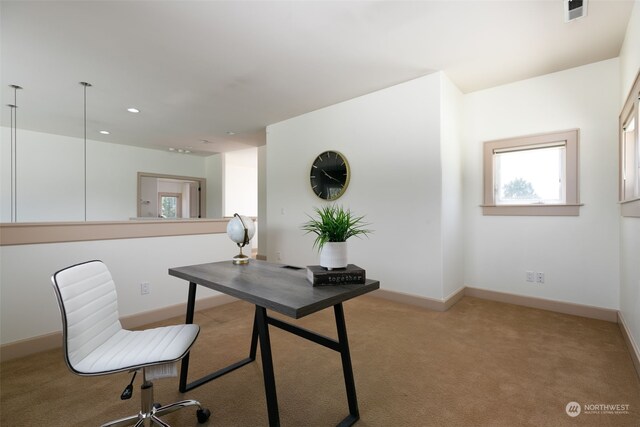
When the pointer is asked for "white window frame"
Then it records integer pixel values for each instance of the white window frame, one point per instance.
(569, 139)
(630, 200)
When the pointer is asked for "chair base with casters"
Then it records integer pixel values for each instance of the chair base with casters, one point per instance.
(150, 411)
(96, 344)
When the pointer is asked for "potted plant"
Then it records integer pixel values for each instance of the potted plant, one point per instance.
(333, 225)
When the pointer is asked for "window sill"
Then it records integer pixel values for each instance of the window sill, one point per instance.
(532, 210)
(630, 208)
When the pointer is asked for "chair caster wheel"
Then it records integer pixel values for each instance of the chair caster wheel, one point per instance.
(203, 415)
(157, 405)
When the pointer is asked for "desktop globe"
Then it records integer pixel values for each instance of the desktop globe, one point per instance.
(237, 228)
(241, 230)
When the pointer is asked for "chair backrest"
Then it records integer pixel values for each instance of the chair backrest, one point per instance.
(89, 307)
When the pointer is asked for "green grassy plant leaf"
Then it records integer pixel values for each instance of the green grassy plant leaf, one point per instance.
(334, 224)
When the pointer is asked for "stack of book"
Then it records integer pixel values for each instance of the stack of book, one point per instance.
(320, 276)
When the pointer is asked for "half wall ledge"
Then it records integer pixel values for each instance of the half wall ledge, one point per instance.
(28, 233)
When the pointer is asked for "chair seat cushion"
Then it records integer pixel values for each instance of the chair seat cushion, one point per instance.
(127, 350)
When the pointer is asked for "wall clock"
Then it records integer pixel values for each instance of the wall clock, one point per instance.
(329, 175)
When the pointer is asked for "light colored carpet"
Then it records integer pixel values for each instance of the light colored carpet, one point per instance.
(481, 363)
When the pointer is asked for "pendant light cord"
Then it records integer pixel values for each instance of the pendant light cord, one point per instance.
(85, 152)
(85, 85)
(14, 153)
(13, 160)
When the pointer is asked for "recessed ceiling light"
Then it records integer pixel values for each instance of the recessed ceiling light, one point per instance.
(180, 150)
(172, 149)
(204, 141)
(230, 133)
(187, 151)
(105, 132)
(133, 110)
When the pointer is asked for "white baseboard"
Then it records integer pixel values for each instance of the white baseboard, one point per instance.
(53, 340)
(424, 302)
(591, 312)
(634, 350)
(534, 302)
(25, 347)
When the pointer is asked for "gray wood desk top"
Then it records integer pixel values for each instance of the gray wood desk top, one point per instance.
(273, 286)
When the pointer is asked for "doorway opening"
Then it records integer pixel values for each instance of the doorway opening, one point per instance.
(171, 197)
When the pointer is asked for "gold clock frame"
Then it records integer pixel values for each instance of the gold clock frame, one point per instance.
(346, 183)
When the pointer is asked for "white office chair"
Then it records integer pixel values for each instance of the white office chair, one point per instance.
(95, 343)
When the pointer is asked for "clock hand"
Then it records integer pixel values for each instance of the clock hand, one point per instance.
(325, 172)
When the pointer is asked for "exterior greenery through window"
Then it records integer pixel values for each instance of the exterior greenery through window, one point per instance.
(170, 205)
(519, 189)
(532, 175)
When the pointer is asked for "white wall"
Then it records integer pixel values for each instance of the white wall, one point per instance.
(49, 177)
(214, 166)
(28, 306)
(149, 197)
(391, 139)
(630, 52)
(262, 201)
(241, 182)
(452, 202)
(579, 255)
(630, 227)
(51, 173)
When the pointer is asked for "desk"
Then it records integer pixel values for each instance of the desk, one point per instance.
(283, 289)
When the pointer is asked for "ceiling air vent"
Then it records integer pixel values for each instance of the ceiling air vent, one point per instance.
(574, 9)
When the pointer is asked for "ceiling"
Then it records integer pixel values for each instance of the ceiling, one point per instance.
(221, 71)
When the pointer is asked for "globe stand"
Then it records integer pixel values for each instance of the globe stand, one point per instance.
(240, 258)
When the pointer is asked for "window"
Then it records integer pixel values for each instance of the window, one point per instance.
(630, 153)
(170, 205)
(532, 175)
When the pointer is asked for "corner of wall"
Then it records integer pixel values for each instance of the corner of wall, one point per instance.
(451, 186)
(629, 298)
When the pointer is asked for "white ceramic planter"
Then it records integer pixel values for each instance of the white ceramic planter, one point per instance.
(334, 255)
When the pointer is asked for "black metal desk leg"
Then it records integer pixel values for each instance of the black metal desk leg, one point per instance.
(184, 366)
(346, 365)
(267, 366)
(254, 338)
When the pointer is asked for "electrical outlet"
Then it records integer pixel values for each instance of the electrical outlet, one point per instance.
(540, 277)
(278, 256)
(145, 288)
(531, 276)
